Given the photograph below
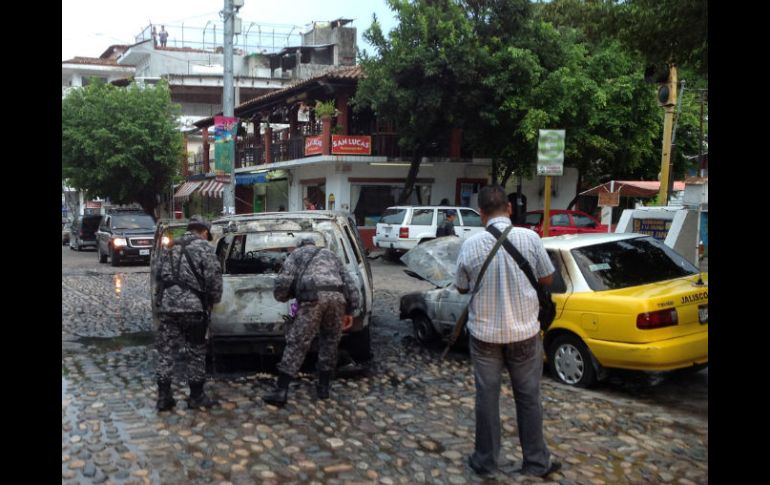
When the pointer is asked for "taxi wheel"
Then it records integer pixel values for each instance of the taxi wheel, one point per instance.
(571, 362)
(423, 328)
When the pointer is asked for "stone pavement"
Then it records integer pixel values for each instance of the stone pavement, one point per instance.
(409, 421)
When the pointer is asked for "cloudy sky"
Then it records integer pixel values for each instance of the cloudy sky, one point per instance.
(90, 26)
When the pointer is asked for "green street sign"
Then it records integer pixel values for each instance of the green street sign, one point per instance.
(550, 152)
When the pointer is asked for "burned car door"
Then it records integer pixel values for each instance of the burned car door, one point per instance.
(449, 306)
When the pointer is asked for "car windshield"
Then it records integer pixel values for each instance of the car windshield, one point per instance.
(393, 216)
(133, 221)
(265, 252)
(583, 221)
(533, 219)
(630, 262)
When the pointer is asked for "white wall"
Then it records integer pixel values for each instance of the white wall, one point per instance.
(444, 174)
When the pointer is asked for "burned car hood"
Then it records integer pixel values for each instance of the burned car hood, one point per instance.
(435, 260)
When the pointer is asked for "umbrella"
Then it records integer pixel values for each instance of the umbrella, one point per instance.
(435, 260)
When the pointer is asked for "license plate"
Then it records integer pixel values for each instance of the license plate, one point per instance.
(703, 314)
(144, 252)
(387, 230)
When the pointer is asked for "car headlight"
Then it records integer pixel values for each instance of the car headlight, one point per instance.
(165, 241)
(119, 242)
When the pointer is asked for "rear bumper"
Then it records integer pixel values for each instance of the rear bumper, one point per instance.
(402, 244)
(664, 355)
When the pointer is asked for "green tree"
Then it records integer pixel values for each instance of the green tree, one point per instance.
(660, 30)
(121, 143)
(649, 32)
(419, 75)
(537, 76)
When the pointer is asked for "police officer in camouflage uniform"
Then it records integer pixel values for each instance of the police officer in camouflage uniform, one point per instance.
(188, 283)
(327, 297)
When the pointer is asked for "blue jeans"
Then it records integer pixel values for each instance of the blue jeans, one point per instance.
(524, 361)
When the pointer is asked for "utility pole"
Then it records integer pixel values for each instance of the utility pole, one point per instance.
(547, 207)
(680, 97)
(667, 99)
(228, 102)
(700, 138)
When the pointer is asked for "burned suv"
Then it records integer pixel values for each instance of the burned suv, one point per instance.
(252, 249)
(125, 235)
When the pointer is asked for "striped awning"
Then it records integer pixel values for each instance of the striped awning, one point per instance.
(185, 190)
(212, 188)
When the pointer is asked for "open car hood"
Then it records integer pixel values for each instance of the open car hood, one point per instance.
(436, 260)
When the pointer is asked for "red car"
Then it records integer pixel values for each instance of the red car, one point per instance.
(563, 222)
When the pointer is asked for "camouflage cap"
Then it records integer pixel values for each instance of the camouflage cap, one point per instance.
(306, 240)
(199, 222)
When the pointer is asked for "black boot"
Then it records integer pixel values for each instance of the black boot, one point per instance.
(279, 395)
(198, 397)
(165, 397)
(322, 388)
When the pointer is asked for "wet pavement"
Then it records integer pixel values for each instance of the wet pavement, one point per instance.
(409, 420)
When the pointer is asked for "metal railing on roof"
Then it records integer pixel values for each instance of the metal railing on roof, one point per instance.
(255, 38)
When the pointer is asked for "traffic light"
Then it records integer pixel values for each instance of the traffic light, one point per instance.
(664, 75)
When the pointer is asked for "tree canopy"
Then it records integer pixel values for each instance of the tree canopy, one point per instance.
(420, 75)
(121, 143)
(503, 69)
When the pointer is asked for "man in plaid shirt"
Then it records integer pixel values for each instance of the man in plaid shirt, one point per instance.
(505, 332)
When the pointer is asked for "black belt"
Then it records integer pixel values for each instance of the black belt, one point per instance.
(329, 288)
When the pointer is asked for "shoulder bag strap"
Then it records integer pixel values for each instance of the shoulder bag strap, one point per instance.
(463, 319)
(523, 263)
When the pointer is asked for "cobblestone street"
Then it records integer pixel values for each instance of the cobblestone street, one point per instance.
(410, 420)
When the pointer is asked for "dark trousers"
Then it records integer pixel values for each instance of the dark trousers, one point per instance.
(186, 330)
(322, 318)
(524, 361)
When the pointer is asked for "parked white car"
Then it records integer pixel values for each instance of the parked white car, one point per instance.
(404, 227)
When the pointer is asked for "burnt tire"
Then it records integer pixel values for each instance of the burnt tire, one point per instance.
(423, 329)
(359, 345)
(392, 255)
(114, 258)
(571, 362)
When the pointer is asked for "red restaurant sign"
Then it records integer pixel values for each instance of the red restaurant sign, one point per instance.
(351, 145)
(313, 145)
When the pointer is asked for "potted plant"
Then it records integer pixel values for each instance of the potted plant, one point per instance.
(325, 108)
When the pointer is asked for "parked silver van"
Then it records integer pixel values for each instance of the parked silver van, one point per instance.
(252, 249)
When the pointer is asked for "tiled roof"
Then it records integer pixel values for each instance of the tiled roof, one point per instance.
(112, 49)
(346, 73)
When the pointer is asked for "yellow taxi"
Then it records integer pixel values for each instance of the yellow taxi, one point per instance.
(624, 301)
